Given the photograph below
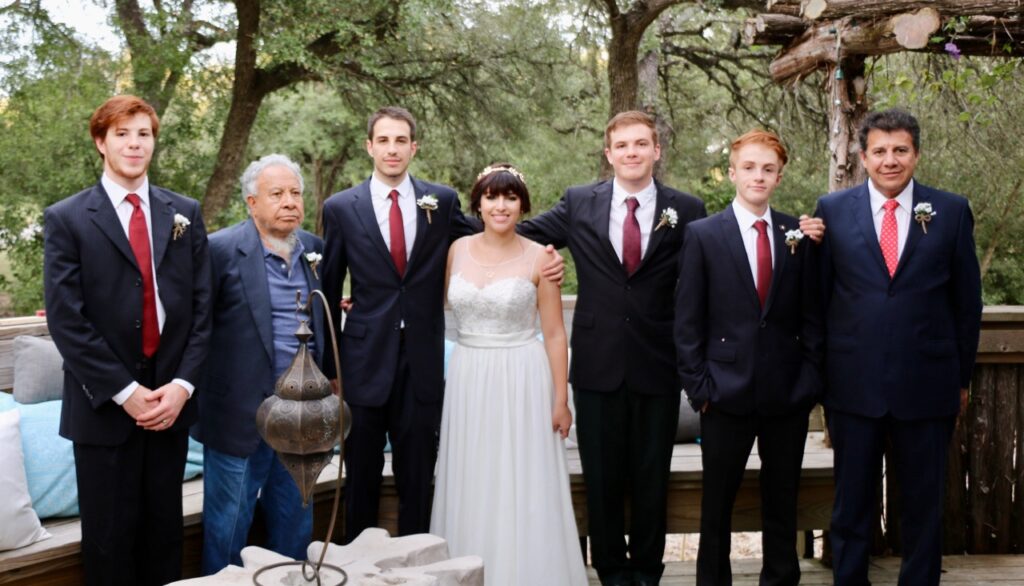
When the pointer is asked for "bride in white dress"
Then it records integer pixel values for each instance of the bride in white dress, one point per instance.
(502, 488)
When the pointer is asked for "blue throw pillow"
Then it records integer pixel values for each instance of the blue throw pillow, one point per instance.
(50, 459)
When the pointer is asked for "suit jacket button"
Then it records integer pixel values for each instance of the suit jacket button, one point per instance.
(138, 324)
(892, 293)
(764, 324)
(627, 319)
(402, 289)
(138, 282)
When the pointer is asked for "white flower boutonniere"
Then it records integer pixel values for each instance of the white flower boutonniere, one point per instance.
(669, 218)
(428, 203)
(314, 258)
(181, 224)
(793, 238)
(923, 214)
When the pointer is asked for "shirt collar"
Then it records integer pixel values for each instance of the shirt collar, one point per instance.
(116, 193)
(645, 196)
(745, 218)
(905, 198)
(381, 190)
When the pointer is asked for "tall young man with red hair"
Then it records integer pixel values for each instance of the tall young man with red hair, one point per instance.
(749, 342)
(127, 280)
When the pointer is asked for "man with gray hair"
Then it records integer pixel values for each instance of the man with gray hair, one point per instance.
(258, 264)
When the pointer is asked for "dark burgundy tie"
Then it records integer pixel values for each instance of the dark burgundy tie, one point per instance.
(397, 234)
(631, 237)
(138, 237)
(764, 261)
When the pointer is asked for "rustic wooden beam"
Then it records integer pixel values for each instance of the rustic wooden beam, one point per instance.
(824, 44)
(773, 29)
(867, 9)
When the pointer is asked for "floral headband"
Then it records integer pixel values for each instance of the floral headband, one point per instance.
(496, 169)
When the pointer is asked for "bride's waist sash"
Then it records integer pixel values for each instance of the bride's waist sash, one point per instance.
(506, 340)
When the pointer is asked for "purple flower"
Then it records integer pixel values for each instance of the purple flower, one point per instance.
(953, 50)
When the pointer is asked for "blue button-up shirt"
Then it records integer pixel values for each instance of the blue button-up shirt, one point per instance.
(284, 279)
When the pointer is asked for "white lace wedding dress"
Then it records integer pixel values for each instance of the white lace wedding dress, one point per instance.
(502, 489)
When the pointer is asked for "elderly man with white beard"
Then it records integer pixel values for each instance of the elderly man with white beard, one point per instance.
(258, 265)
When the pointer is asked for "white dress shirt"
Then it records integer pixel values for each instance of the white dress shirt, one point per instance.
(903, 213)
(644, 215)
(746, 219)
(124, 209)
(379, 193)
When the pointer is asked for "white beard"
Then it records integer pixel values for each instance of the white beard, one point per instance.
(282, 247)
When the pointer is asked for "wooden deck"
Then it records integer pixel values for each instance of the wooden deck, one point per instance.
(977, 570)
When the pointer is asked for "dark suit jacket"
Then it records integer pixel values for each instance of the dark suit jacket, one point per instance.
(622, 325)
(740, 357)
(903, 346)
(239, 371)
(383, 300)
(94, 307)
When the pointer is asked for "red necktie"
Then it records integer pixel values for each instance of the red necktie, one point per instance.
(889, 238)
(631, 237)
(397, 234)
(138, 237)
(764, 261)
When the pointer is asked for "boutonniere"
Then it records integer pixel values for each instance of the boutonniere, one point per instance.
(923, 214)
(428, 203)
(314, 258)
(669, 218)
(793, 238)
(181, 224)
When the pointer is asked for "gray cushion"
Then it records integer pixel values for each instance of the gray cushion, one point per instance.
(688, 429)
(38, 374)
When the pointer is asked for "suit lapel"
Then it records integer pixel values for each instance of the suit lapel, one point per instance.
(782, 254)
(729, 230)
(662, 201)
(421, 223)
(364, 210)
(161, 219)
(599, 218)
(105, 218)
(252, 270)
(315, 309)
(861, 210)
(914, 230)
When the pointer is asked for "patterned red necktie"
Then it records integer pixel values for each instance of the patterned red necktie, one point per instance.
(631, 237)
(764, 261)
(138, 237)
(397, 229)
(889, 238)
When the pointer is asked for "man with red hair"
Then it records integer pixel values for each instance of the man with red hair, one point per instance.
(127, 281)
(749, 343)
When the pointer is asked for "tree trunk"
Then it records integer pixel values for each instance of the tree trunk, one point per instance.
(847, 87)
(623, 73)
(246, 98)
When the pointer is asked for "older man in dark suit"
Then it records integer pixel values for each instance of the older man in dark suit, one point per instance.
(127, 279)
(902, 294)
(258, 265)
(749, 338)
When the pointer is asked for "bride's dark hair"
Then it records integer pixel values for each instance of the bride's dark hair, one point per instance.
(499, 178)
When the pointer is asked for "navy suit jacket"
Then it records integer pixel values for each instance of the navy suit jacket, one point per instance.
(94, 307)
(740, 357)
(622, 325)
(239, 370)
(902, 346)
(382, 300)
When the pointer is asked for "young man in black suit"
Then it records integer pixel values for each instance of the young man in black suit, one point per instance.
(624, 235)
(127, 280)
(749, 338)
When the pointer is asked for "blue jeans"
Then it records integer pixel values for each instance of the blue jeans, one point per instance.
(231, 488)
